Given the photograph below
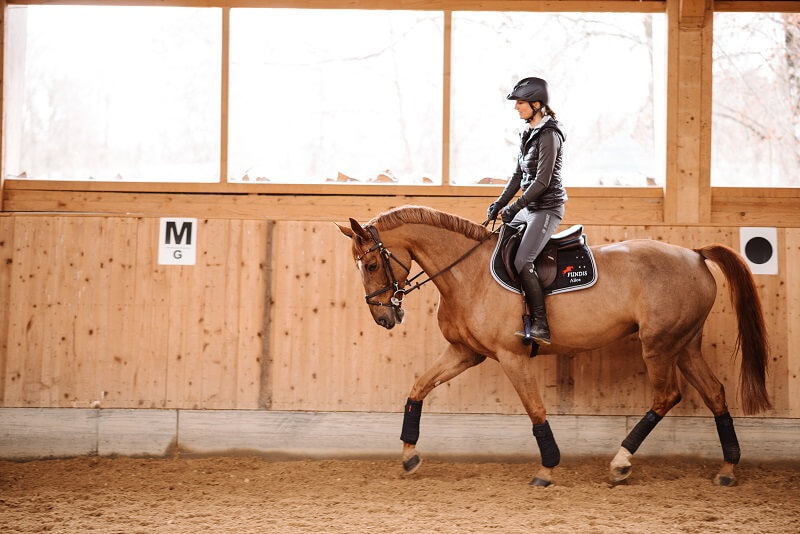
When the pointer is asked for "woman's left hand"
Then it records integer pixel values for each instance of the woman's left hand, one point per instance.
(508, 213)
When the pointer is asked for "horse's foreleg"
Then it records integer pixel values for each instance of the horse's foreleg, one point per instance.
(663, 377)
(699, 375)
(455, 360)
(519, 369)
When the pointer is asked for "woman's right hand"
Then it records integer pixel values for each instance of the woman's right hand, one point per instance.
(494, 209)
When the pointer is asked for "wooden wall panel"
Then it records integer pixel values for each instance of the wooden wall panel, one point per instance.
(92, 319)
(6, 264)
(792, 289)
(95, 321)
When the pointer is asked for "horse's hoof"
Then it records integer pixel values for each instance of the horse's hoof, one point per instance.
(725, 480)
(411, 465)
(540, 482)
(619, 474)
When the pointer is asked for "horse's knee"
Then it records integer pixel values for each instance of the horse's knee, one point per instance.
(673, 398)
(666, 400)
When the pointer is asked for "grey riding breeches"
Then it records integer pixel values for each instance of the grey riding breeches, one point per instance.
(541, 225)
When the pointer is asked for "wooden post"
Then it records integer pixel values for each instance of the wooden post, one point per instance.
(687, 197)
(448, 32)
(2, 64)
(225, 65)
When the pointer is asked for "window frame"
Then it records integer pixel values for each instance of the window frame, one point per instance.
(706, 205)
(445, 188)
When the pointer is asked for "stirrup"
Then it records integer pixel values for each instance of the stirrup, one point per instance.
(525, 333)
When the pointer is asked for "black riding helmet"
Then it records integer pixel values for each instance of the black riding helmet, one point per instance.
(530, 90)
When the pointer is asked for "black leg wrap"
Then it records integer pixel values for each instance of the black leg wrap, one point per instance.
(641, 430)
(411, 415)
(547, 444)
(727, 437)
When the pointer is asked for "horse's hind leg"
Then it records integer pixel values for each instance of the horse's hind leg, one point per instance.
(454, 360)
(699, 375)
(663, 374)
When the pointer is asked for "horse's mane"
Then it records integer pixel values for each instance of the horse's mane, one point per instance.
(423, 215)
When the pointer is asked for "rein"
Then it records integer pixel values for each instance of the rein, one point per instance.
(394, 286)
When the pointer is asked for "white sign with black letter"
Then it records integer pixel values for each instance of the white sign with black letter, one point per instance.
(177, 241)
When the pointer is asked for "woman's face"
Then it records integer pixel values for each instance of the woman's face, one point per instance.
(524, 109)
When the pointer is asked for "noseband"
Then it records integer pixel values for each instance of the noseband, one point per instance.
(394, 286)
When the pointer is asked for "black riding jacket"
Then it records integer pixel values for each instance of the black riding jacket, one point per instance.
(538, 170)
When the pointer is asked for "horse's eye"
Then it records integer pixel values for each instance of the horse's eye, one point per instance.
(372, 267)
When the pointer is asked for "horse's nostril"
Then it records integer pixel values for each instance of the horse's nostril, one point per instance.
(382, 321)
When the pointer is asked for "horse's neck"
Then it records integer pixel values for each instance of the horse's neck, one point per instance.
(436, 250)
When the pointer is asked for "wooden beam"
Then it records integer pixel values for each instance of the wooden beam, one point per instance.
(446, 102)
(687, 188)
(766, 6)
(693, 14)
(330, 188)
(224, 65)
(2, 72)
(741, 206)
(621, 6)
(600, 209)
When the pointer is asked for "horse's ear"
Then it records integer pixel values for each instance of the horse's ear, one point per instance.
(345, 230)
(358, 229)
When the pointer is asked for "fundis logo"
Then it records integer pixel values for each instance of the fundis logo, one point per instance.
(575, 276)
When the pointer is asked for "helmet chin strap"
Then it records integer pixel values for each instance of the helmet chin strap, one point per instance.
(535, 111)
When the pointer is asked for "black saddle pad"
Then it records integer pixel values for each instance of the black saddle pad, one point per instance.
(576, 268)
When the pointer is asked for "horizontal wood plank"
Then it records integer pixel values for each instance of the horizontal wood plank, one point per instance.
(641, 206)
(780, 211)
(51, 186)
(764, 6)
(637, 6)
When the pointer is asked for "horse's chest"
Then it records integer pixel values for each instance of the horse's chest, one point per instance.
(459, 329)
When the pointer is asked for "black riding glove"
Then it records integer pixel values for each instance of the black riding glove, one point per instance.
(508, 213)
(494, 209)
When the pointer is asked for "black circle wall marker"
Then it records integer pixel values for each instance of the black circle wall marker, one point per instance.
(758, 250)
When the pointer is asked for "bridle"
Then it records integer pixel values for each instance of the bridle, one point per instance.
(393, 285)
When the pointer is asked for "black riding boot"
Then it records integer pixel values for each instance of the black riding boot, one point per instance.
(534, 295)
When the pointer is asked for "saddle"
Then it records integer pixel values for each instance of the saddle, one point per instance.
(546, 261)
(565, 264)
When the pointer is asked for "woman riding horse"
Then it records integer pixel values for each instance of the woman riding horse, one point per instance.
(661, 292)
(541, 205)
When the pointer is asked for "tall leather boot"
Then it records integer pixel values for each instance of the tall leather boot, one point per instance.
(534, 295)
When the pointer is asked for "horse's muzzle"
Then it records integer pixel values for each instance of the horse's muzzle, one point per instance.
(389, 321)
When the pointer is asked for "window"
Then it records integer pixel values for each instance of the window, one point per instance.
(322, 95)
(606, 74)
(112, 93)
(755, 126)
(335, 96)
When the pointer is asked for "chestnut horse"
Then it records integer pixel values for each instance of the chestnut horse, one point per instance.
(663, 292)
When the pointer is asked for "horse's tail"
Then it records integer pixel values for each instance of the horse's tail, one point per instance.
(752, 336)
